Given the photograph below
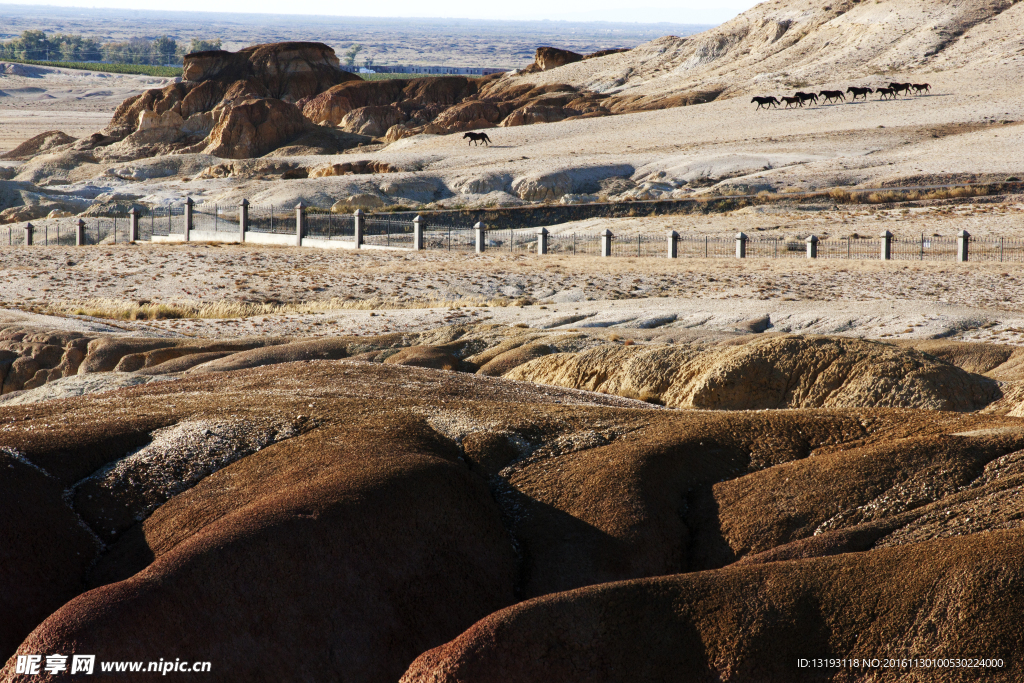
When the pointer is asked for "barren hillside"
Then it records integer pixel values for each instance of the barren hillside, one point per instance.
(808, 43)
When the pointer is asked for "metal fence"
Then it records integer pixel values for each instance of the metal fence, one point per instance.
(106, 230)
(384, 231)
(64, 232)
(398, 232)
(640, 245)
(216, 218)
(705, 246)
(268, 218)
(328, 226)
(449, 238)
(997, 249)
(163, 221)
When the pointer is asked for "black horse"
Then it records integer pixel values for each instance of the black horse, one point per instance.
(766, 102)
(886, 93)
(901, 87)
(791, 101)
(477, 137)
(806, 97)
(860, 92)
(921, 87)
(832, 95)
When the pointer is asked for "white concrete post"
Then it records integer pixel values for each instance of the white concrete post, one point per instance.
(481, 237)
(28, 234)
(133, 226)
(741, 245)
(358, 223)
(606, 242)
(812, 246)
(243, 219)
(673, 244)
(417, 233)
(886, 245)
(188, 218)
(542, 241)
(963, 239)
(300, 223)
(80, 233)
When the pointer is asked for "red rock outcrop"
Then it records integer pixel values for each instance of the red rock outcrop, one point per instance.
(440, 90)
(553, 57)
(361, 167)
(469, 116)
(373, 121)
(254, 128)
(126, 116)
(331, 106)
(534, 113)
(289, 71)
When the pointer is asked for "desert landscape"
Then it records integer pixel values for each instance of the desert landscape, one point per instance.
(386, 464)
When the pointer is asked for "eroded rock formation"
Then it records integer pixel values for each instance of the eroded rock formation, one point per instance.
(379, 510)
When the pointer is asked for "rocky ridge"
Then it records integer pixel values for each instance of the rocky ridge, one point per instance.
(474, 505)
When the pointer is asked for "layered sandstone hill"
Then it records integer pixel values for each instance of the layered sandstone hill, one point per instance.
(743, 372)
(354, 516)
(268, 97)
(768, 373)
(801, 44)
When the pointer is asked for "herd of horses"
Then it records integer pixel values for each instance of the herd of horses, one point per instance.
(835, 96)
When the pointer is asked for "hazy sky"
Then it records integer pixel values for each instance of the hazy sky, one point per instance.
(677, 11)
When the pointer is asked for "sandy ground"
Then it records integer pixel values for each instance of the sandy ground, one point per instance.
(38, 99)
(420, 291)
(969, 127)
(1002, 218)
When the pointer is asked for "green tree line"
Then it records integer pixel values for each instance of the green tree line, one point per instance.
(162, 51)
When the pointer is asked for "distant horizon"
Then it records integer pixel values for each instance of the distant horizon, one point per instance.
(684, 13)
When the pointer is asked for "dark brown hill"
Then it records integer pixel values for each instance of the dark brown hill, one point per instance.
(953, 598)
(379, 510)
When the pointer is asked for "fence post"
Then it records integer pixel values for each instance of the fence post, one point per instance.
(358, 223)
(300, 223)
(606, 242)
(963, 238)
(542, 241)
(481, 243)
(886, 245)
(80, 233)
(741, 245)
(417, 234)
(243, 219)
(812, 246)
(133, 225)
(188, 218)
(28, 234)
(673, 244)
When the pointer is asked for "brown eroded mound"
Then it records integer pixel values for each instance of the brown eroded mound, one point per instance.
(378, 510)
(950, 598)
(359, 503)
(768, 373)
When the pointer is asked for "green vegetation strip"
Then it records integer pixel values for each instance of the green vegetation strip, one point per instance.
(134, 69)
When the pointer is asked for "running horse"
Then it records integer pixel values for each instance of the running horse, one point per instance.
(477, 137)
